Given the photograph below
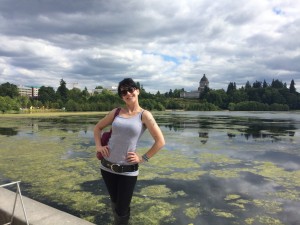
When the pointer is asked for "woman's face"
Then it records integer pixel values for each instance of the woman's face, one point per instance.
(129, 93)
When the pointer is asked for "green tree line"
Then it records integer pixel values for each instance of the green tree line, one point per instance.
(259, 96)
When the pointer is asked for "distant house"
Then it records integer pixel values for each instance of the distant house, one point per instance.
(196, 93)
(96, 91)
(112, 89)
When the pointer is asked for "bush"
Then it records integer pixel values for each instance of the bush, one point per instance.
(257, 106)
(279, 107)
(8, 104)
(202, 107)
(251, 106)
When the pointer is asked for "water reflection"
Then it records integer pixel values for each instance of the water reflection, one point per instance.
(203, 137)
(249, 128)
(288, 161)
(8, 131)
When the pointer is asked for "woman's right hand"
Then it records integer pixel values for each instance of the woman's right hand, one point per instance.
(104, 150)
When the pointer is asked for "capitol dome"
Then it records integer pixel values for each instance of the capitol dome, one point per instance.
(204, 83)
(204, 79)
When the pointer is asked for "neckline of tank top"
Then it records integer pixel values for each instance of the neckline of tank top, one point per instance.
(138, 114)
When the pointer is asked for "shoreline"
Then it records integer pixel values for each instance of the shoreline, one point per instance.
(50, 114)
(65, 113)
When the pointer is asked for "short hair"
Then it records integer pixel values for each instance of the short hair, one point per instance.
(127, 82)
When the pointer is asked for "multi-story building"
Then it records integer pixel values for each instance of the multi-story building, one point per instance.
(28, 91)
(35, 91)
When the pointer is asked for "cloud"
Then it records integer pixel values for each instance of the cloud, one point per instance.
(162, 44)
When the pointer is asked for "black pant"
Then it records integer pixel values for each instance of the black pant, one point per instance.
(120, 189)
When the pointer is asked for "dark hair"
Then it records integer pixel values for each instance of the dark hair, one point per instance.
(126, 83)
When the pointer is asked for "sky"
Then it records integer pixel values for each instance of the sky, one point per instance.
(163, 44)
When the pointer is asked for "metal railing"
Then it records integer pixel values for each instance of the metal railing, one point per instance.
(18, 192)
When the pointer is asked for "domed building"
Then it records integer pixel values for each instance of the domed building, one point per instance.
(196, 94)
(203, 83)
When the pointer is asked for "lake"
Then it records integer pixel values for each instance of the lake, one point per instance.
(216, 167)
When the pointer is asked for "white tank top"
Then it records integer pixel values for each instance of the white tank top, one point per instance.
(126, 133)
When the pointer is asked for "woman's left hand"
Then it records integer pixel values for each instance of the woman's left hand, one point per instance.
(132, 157)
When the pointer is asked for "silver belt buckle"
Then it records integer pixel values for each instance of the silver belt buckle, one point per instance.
(112, 167)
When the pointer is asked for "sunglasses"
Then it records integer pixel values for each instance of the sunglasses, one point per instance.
(125, 90)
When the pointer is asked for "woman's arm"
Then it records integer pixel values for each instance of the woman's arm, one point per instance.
(159, 140)
(104, 122)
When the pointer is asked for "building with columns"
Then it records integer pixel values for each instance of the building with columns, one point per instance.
(196, 93)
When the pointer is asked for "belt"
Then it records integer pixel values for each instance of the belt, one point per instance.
(119, 168)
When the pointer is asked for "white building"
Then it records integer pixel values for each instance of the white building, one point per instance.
(112, 89)
(28, 91)
(96, 91)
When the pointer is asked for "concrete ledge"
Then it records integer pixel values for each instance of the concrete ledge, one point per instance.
(37, 213)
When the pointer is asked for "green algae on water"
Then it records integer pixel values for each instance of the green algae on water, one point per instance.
(271, 207)
(232, 197)
(152, 211)
(221, 213)
(263, 220)
(192, 212)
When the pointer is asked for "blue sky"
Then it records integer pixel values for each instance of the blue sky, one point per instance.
(162, 44)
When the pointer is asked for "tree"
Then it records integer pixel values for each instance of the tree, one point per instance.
(62, 91)
(171, 93)
(257, 84)
(292, 100)
(8, 89)
(74, 94)
(204, 93)
(71, 105)
(230, 91)
(231, 88)
(267, 96)
(4, 105)
(265, 85)
(217, 97)
(277, 84)
(85, 93)
(7, 104)
(278, 98)
(239, 96)
(254, 95)
(37, 103)
(23, 101)
(176, 93)
(247, 86)
(292, 87)
(46, 94)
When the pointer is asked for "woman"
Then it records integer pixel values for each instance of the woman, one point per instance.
(119, 168)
